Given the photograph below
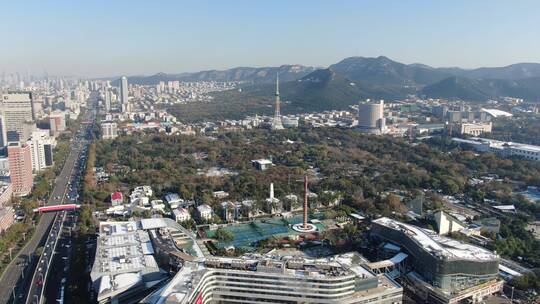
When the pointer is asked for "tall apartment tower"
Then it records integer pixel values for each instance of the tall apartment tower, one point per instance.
(20, 168)
(57, 122)
(3, 135)
(108, 98)
(17, 108)
(124, 93)
(41, 145)
(276, 122)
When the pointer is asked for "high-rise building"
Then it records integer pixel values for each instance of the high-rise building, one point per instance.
(57, 121)
(41, 144)
(17, 108)
(3, 135)
(20, 168)
(28, 128)
(124, 93)
(371, 117)
(108, 98)
(109, 130)
(162, 86)
(276, 122)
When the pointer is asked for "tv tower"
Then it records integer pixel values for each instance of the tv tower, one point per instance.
(276, 123)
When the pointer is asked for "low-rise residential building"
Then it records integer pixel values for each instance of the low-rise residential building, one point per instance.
(109, 130)
(181, 215)
(231, 211)
(173, 199)
(145, 190)
(220, 194)
(157, 205)
(204, 212)
(117, 198)
(141, 196)
(261, 164)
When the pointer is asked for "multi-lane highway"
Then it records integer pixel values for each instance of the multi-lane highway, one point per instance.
(20, 273)
(56, 282)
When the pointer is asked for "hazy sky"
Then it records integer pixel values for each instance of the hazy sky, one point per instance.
(113, 37)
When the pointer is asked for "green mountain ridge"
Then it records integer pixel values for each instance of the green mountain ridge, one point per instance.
(320, 90)
(306, 89)
(483, 89)
(250, 75)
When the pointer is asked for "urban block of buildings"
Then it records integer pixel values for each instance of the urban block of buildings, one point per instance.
(502, 148)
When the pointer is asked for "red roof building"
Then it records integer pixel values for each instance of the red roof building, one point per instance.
(117, 198)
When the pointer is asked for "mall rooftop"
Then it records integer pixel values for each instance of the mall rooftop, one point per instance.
(438, 245)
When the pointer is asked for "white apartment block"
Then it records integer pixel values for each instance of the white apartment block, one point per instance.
(109, 130)
(181, 215)
(41, 147)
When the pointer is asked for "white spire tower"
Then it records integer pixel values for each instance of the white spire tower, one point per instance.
(276, 123)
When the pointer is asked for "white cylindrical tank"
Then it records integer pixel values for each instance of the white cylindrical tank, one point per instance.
(371, 116)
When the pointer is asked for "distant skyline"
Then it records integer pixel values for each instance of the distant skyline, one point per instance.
(110, 38)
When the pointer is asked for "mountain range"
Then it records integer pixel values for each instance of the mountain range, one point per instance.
(307, 88)
(248, 75)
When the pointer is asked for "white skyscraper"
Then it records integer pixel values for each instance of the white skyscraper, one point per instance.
(108, 98)
(41, 149)
(3, 135)
(124, 93)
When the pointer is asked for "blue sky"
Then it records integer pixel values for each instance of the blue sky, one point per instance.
(101, 38)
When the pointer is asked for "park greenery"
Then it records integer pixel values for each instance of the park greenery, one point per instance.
(362, 167)
(365, 170)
